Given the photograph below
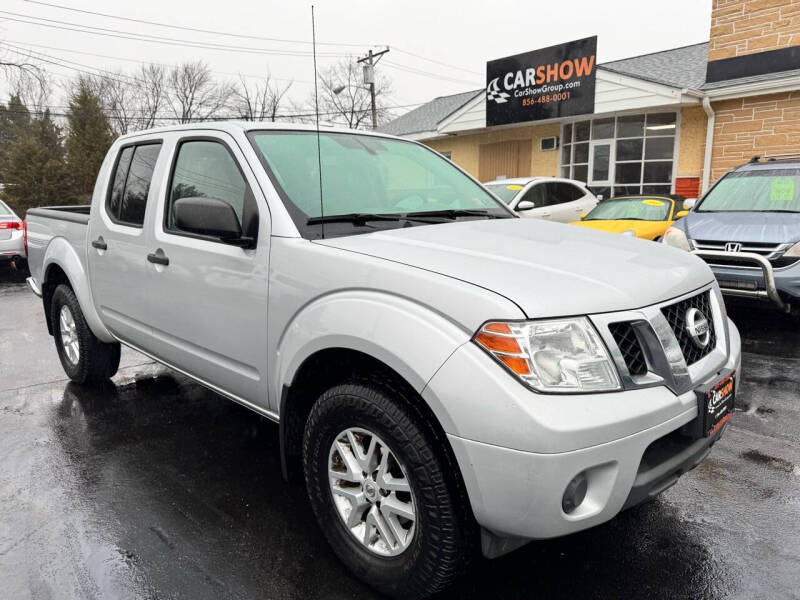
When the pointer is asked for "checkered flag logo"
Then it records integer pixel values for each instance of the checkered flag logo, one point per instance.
(493, 92)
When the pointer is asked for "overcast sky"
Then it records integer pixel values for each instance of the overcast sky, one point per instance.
(460, 35)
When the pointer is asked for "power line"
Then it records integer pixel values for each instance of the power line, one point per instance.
(128, 35)
(195, 29)
(431, 60)
(423, 73)
(133, 60)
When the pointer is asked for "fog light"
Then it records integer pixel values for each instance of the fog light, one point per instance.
(575, 493)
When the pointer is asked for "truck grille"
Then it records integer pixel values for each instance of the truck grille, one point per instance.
(771, 251)
(629, 346)
(676, 317)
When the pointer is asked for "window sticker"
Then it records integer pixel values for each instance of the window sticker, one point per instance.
(781, 190)
(514, 187)
(653, 202)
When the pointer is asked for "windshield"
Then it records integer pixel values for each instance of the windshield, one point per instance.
(4, 211)
(505, 191)
(769, 190)
(638, 209)
(364, 176)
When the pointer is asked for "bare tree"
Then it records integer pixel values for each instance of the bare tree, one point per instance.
(193, 93)
(259, 101)
(152, 91)
(32, 86)
(345, 100)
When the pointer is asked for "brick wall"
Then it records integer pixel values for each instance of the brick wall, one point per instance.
(465, 149)
(746, 127)
(740, 27)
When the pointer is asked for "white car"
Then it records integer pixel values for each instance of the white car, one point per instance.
(549, 198)
(11, 244)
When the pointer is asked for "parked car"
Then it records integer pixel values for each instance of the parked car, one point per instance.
(747, 227)
(548, 198)
(12, 247)
(646, 217)
(445, 379)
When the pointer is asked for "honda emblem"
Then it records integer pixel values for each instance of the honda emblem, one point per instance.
(733, 247)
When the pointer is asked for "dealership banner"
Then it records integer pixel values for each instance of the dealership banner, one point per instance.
(543, 84)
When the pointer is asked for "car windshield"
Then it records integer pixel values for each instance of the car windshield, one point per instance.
(367, 183)
(505, 191)
(4, 211)
(762, 190)
(636, 209)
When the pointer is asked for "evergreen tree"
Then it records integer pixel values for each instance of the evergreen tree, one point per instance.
(88, 139)
(14, 118)
(36, 174)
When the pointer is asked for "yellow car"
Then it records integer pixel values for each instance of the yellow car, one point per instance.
(646, 217)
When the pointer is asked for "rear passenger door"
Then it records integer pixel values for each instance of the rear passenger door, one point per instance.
(565, 201)
(116, 237)
(209, 314)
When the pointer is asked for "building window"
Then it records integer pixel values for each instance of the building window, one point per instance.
(614, 156)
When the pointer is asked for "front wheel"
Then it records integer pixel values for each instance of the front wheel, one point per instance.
(385, 492)
(84, 358)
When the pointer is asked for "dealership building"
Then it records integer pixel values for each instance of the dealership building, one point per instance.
(666, 122)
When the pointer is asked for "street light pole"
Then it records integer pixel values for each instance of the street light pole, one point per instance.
(369, 62)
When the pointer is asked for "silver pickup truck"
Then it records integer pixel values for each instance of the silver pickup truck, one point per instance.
(447, 377)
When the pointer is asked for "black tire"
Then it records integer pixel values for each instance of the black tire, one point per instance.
(445, 537)
(97, 361)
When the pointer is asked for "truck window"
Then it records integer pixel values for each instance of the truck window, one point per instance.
(130, 186)
(206, 169)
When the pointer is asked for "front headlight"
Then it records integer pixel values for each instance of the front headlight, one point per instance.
(675, 236)
(794, 251)
(559, 355)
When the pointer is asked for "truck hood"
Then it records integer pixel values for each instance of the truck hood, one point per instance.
(547, 269)
(777, 228)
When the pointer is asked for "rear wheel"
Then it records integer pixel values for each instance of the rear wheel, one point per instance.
(384, 491)
(84, 358)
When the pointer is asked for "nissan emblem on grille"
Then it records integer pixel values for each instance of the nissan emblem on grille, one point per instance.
(697, 326)
(733, 247)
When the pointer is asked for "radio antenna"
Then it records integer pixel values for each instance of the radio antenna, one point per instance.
(316, 112)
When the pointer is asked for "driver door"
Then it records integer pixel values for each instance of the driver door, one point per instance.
(209, 298)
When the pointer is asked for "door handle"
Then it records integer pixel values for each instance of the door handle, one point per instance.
(158, 259)
(100, 244)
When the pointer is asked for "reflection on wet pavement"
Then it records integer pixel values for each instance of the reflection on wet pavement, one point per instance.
(153, 487)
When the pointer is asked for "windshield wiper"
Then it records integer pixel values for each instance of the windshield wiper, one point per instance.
(355, 218)
(454, 213)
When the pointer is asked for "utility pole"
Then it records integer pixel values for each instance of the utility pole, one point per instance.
(369, 62)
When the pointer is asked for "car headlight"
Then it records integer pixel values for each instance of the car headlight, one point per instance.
(794, 251)
(558, 355)
(675, 236)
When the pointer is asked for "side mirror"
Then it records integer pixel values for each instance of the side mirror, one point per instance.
(211, 217)
(689, 203)
(525, 205)
(681, 214)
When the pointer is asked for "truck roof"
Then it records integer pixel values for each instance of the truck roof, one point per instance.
(237, 126)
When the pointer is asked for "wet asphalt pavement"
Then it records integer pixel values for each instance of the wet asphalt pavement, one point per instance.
(154, 487)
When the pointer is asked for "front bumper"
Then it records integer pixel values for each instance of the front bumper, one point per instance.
(756, 278)
(517, 464)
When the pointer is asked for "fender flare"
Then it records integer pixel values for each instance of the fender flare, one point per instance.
(410, 338)
(61, 253)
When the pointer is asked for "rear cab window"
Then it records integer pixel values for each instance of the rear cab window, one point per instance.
(130, 183)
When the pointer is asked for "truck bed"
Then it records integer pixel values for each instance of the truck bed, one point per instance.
(64, 223)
